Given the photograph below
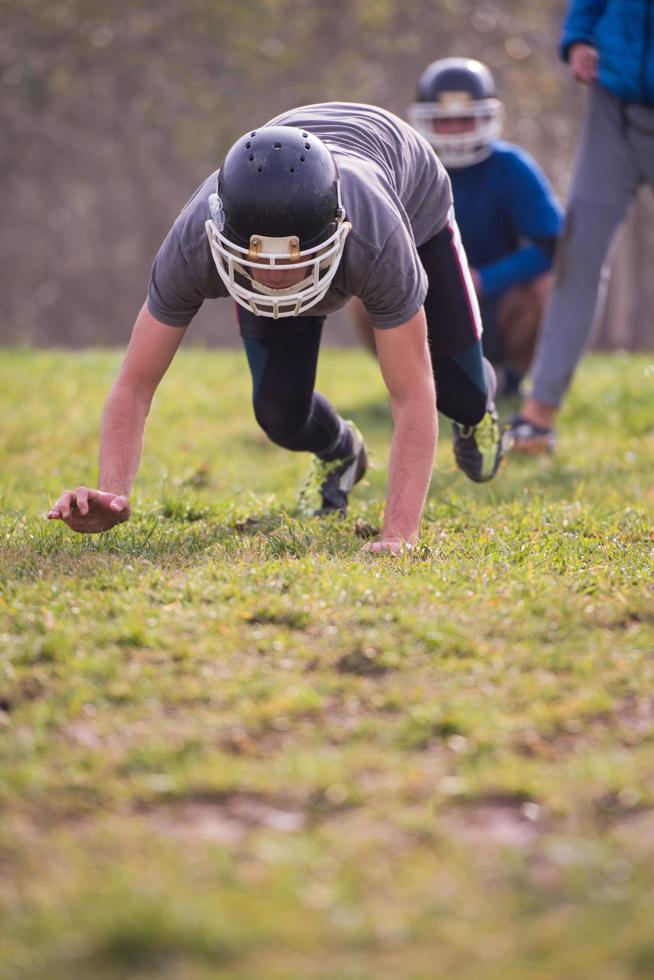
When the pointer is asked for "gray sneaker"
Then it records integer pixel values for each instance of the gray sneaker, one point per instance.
(329, 483)
(478, 449)
(525, 437)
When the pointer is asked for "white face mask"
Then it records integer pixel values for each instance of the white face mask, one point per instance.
(235, 266)
(459, 149)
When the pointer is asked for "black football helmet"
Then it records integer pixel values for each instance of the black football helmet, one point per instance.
(458, 88)
(277, 205)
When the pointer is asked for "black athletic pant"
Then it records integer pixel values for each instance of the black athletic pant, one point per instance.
(283, 357)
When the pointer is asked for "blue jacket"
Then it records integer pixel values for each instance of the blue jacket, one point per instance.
(508, 217)
(623, 33)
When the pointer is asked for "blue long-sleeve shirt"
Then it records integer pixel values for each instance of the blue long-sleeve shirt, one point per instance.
(623, 33)
(508, 217)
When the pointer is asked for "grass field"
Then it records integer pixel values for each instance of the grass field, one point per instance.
(232, 745)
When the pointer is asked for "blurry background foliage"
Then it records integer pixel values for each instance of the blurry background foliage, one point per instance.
(112, 114)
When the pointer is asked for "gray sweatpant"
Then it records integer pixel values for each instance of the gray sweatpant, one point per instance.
(615, 156)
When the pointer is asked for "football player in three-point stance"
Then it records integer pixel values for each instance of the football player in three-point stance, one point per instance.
(322, 203)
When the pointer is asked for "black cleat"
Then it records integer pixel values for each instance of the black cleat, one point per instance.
(329, 483)
(478, 449)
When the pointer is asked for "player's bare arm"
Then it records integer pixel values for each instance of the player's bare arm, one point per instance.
(150, 351)
(406, 367)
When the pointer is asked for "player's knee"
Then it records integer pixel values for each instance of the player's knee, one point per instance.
(281, 423)
(466, 411)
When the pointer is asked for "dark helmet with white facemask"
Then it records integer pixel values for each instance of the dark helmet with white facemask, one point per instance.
(464, 89)
(277, 205)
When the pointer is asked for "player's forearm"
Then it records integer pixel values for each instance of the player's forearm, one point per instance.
(121, 440)
(523, 265)
(411, 465)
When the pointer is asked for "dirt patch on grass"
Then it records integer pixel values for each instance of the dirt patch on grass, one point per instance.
(506, 821)
(636, 829)
(637, 716)
(623, 806)
(26, 689)
(363, 662)
(257, 744)
(227, 820)
(90, 734)
(630, 724)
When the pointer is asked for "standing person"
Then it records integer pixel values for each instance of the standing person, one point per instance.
(505, 207)
(609, 46)
(320, 204)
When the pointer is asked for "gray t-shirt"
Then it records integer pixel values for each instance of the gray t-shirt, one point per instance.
(396, 195)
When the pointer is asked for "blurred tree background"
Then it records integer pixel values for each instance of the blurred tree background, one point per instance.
(112, 115)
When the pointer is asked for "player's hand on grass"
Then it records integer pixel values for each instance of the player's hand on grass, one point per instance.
(388, 546)
(90, 511)
(583, 60)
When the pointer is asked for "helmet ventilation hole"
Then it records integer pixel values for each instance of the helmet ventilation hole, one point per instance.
(277, 146)
(253, 134)
(304, 136)
(307, 146)
(292, 170)
(260, 169)
(302, 159)
(251, 157)
(248, 145)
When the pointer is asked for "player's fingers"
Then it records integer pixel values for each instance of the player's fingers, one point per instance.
(64, 503)
(82, 500)
(391, 547)
(585, 67)
(376, 547)
(103, 498)
(119, 504)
